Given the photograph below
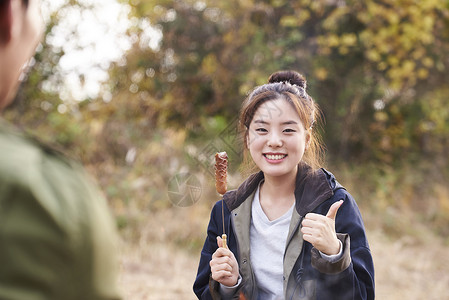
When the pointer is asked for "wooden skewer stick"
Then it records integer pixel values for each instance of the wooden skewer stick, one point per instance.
(221, 168)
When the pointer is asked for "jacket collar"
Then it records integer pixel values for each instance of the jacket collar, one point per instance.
(312, 189)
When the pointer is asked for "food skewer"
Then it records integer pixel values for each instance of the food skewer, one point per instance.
(221, 168)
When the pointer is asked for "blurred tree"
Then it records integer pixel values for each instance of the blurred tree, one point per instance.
(46, 105)
(377, 68)
(37, 107)
(384, 53)
(369, 64)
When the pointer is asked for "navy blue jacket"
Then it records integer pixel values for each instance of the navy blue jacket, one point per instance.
(308, 275)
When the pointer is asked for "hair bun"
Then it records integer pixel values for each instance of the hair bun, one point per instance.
(291, 77)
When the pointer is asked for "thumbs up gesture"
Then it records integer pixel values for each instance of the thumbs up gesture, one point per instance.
(319, 230)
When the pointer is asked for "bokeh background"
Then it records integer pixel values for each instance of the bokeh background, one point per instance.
(143, 92)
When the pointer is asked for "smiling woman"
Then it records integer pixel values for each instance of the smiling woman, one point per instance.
(306, 111)
(285, 238)
(277, 142)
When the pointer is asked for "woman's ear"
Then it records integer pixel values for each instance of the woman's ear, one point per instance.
(5, 22)
(308, 138)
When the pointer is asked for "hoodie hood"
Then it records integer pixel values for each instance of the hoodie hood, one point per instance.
(312, 189)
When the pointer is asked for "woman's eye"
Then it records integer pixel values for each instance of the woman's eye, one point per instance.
(289, 130)
(261, 130)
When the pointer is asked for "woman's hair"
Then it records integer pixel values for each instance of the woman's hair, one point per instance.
(290, 86)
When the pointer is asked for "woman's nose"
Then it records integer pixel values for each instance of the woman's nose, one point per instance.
(274, 140)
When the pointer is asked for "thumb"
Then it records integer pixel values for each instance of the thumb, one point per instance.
(219, 242)
(332, 213)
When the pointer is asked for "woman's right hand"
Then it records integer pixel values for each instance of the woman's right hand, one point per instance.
(224, 266)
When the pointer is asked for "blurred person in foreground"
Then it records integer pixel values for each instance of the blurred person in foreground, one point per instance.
(293, 231)
(57, 238)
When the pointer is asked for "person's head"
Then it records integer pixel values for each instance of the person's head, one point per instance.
(278, 118)
(21, 27)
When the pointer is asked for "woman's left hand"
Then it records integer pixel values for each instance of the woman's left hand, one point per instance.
(319, 230)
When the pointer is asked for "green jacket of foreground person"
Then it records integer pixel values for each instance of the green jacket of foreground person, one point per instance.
(57, 239)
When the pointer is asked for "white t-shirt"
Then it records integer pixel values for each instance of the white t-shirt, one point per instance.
(268, 239)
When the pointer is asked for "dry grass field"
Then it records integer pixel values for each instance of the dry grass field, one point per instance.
(159, 267)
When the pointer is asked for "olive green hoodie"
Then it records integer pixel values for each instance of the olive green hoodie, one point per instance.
(57, 239)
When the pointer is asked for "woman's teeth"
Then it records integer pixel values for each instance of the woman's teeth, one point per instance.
(275, 157)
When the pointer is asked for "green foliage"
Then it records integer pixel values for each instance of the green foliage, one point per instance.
(393, 198)
(214, 52)
(378, 70)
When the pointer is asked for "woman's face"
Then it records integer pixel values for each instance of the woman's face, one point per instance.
(277, 138)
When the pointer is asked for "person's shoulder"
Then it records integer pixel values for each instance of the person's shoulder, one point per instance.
(22, 154)
(234, 198)
(339, 192)
(18, 155)
(41, 187)
(45, 175)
